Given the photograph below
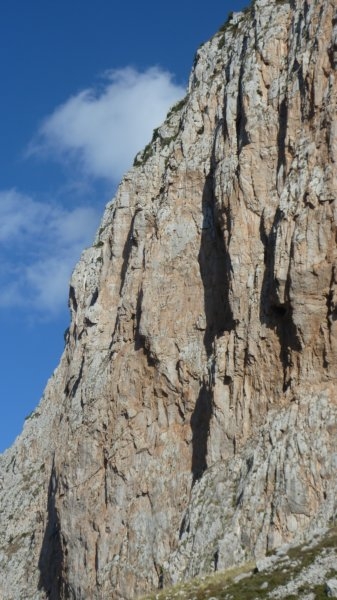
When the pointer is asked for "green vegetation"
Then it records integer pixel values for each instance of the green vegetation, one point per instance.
(245, 583)
(167, 141)
(148, 151)
(201, 588)
(224, 26)
(177, 107)
(32, 415)
(144, 156)
(228, 25)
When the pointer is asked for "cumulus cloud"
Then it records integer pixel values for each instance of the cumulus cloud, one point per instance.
(101, 129)
(39, 245)
(96, 133)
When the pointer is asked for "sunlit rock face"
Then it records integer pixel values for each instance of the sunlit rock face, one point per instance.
(191, 423)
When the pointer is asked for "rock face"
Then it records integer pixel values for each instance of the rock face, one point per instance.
(192, 421)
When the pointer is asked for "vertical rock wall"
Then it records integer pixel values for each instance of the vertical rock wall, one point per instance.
(191, 422)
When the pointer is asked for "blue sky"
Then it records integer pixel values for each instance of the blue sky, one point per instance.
(83, 85)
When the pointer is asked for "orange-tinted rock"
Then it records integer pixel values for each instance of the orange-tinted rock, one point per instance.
(192, 421)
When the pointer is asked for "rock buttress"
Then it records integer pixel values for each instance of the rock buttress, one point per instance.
(191, 422)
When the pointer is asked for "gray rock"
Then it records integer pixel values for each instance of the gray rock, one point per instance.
(267, 563)
(331, 588)
(191, 423)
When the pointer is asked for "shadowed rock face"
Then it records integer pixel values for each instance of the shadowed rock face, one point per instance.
(191, 423)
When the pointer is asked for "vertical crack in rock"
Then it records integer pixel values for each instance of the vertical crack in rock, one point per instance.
(51, 555)
(275, 307)
(138, 338)
(241, 118)
(129, 243)
(281, 138)
(214, 267)
(202, 350)
(200, 422)
(72, 298)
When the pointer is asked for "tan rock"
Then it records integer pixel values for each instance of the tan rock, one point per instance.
(191, 423)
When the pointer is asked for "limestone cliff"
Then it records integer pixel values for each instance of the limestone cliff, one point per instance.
(191, 423)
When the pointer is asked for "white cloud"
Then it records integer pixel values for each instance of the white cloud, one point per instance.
(48, 279)
(101, 130)
(39, 245)
(18, 216)
(96, 133)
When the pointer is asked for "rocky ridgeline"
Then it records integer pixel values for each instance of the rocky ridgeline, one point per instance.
(191, 424)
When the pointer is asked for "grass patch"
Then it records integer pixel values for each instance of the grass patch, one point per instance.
(227, 26)
(32, 415)
(178, 106)
(253, 584)
(148, 151)
(167, 141)
(201, 587)
(144, 156)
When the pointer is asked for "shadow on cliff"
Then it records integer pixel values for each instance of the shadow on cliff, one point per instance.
(214, 264)
(275, 313)
(200, 422)
(215, 268)
(51, 555)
